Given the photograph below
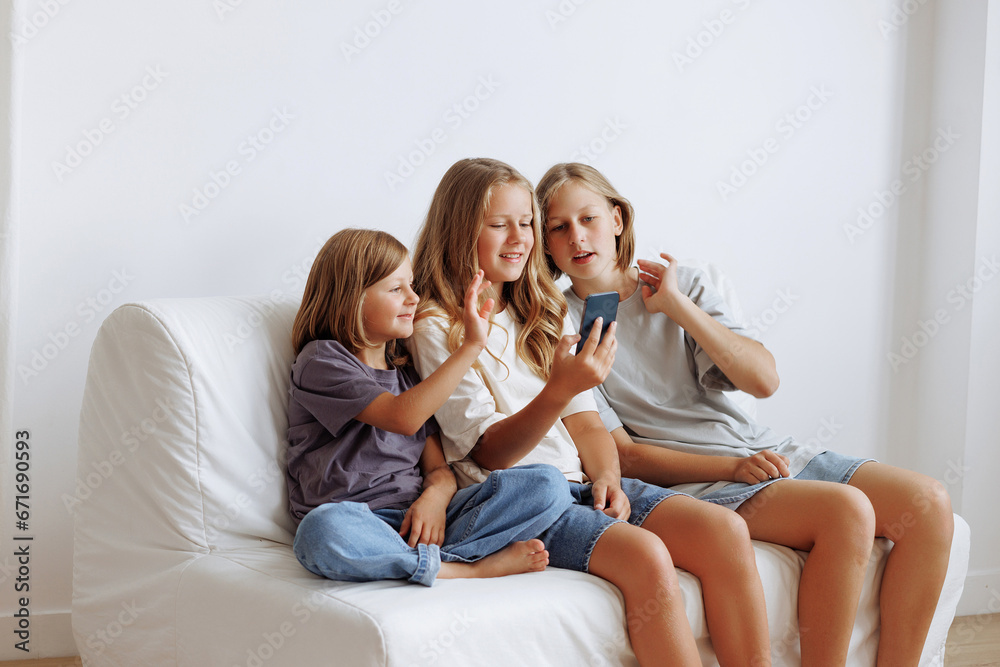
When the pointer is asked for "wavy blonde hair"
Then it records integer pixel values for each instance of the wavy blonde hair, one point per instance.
(350, 262)
(558, 176)
(446, 259)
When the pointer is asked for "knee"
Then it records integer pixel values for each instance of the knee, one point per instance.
(652, 562)
(546, 484)
(725, 535)
(850, 519)
(933, 505)
(730, 529)
(324, 524)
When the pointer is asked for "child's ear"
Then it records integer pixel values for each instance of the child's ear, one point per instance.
(619, 225)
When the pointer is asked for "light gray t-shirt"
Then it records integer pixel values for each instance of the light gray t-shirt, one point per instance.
(667, 391)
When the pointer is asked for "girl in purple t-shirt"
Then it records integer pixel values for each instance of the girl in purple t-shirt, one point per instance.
(367, 479)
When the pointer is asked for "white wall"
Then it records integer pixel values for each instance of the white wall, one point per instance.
(982, 461)
(162, 97)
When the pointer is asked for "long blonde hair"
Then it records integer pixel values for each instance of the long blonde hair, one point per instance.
(559, 175)
(446, 259)
(350, 262)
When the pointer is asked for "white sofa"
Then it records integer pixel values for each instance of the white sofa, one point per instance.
(182, 537)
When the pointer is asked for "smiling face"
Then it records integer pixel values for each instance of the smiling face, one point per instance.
(580, 231)
(506, 238)
(388, 307)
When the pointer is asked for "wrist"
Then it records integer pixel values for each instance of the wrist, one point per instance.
(472, 347)
(555, 394)
(439, 493)
(608, 477)
(676, 305)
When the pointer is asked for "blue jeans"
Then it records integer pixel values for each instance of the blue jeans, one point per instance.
(572, 538)
(347, 541)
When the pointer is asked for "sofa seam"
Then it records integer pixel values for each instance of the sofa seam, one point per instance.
(145, 307)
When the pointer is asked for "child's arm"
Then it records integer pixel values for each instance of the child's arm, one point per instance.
(747, 363)
(408, 411)
(666, 467)
(600, 462)
(508, 441)
(425, 520)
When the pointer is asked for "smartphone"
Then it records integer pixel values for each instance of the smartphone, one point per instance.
(601, 304)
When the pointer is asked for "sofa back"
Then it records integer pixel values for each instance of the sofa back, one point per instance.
(183, 426)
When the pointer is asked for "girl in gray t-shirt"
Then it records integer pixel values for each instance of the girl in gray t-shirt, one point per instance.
(679, 350)
(367, 480)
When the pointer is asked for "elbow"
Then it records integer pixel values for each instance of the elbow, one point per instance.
(626, 458)
(489, 457)
(405, 425)
(766, 385)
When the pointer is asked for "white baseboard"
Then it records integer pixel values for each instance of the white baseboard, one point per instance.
(981, 594)
(50, 636)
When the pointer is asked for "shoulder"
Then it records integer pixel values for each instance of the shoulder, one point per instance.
(691, 278)
(430, 329)
(320, 358)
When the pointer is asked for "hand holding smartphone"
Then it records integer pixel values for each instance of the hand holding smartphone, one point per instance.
(601, 304)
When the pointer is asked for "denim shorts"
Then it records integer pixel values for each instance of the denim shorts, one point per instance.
(826, 467)
(572, 538)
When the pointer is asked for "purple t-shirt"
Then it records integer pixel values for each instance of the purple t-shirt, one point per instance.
(333, 457)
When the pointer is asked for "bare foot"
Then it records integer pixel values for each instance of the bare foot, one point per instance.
(529, 556)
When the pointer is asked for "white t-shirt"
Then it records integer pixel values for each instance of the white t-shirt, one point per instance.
(667, 391)
(490, 392)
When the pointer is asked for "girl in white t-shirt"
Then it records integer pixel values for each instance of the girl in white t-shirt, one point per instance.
(528, 400)
(818, 501)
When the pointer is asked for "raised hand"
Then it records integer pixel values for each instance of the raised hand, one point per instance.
(664, 292)
(476, 319)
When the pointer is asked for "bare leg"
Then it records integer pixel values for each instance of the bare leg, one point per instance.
(836, 525)
(637, 562)
(913, 511)
(529, 556)
(713, 543)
